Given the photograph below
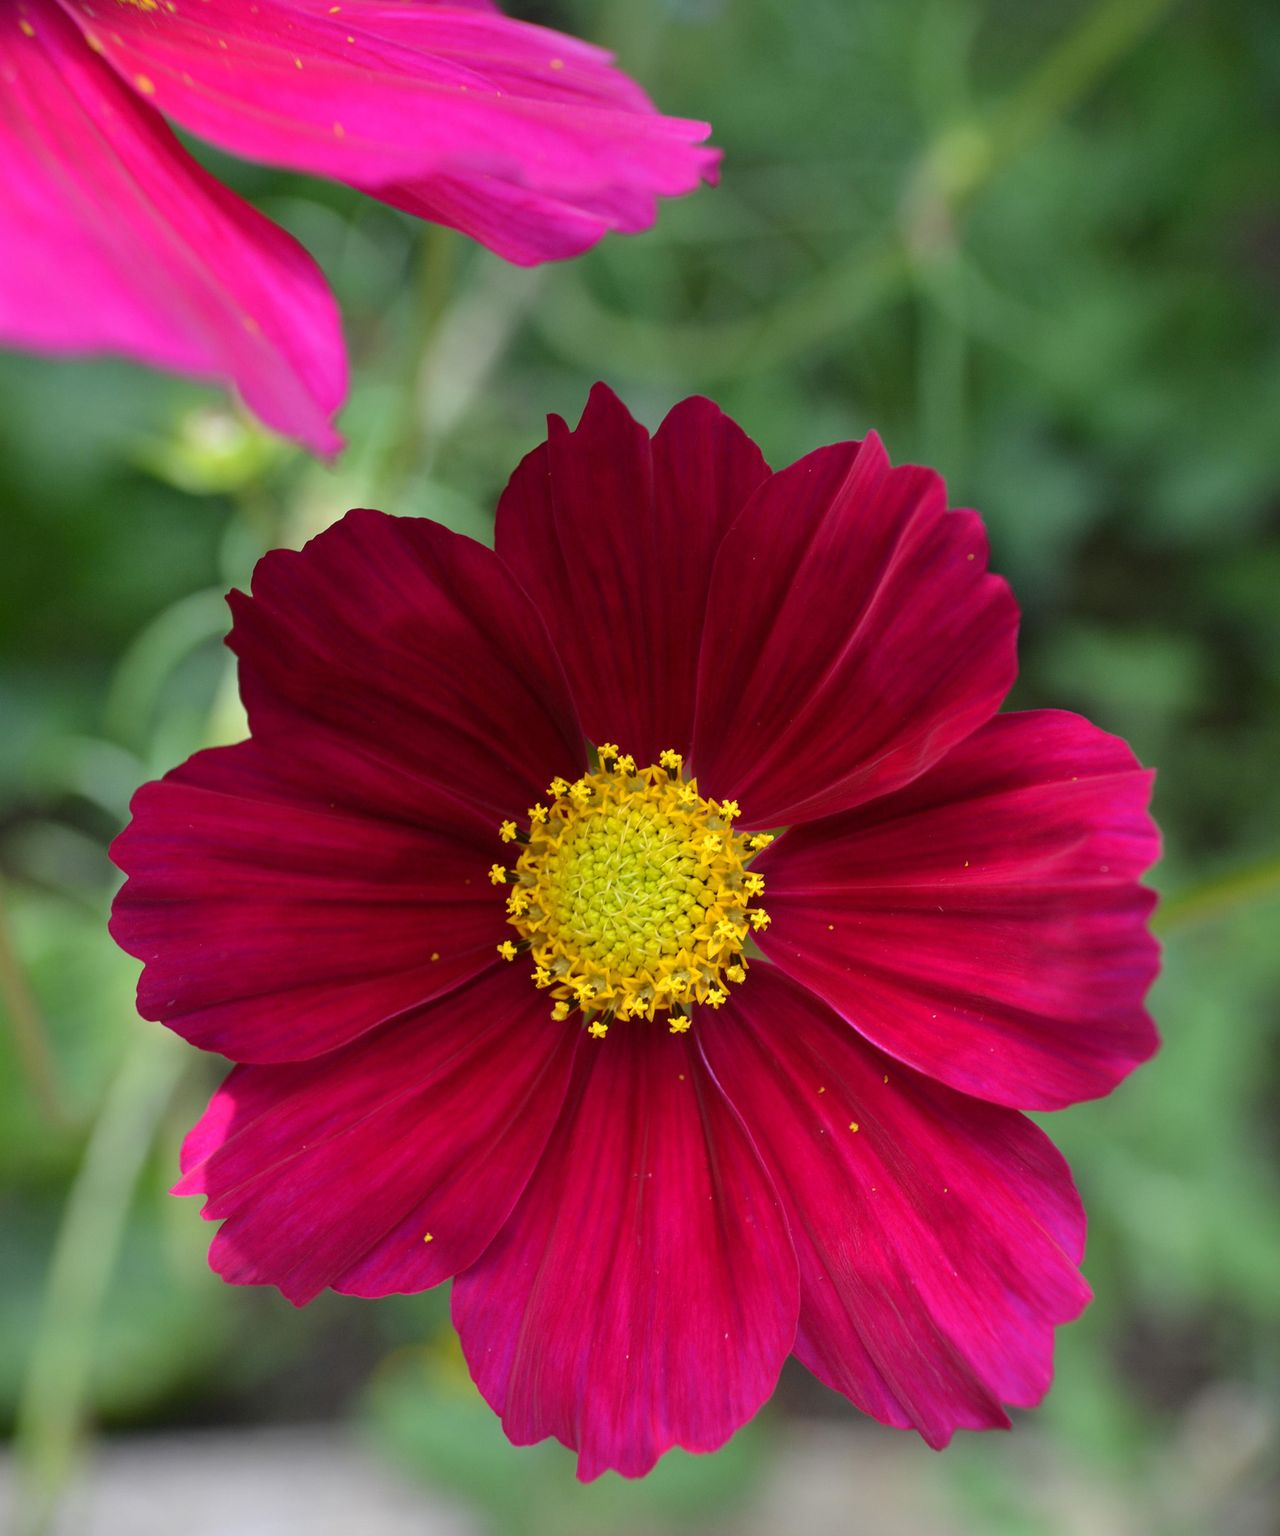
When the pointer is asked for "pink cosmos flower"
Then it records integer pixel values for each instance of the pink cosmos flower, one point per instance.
(671, 1091)
(113, 239)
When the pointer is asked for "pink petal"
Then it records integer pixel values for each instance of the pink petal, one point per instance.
(643, 1293)
(985, 924)
(332, 1172)
(938, 1241)
(853, 636)
(112, 239)
(395, 667)
(394, 99)
(523, 226)
(275, 927)
(614, 538)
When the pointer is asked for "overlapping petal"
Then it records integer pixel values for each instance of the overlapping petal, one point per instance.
(274, 927)
(853, 635)
(391, 97)
(394, 666)
(643, 1293)
(615, 536)
(387, 1166)
(112, 239)
(937, 1236)
(985, 924)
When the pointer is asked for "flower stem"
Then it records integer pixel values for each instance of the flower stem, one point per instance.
(1069, 72)
(31, 1039)
(1220, 897)
(434, 263)
(51, 1408)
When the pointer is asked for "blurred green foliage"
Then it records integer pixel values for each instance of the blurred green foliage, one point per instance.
(1036, 246)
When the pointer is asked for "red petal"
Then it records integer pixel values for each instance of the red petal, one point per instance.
(396, 667)
(985, 924)
(643, 1293)
(395, 99)
(938, 1242)
(853, 636)
(615, 538)
(112, 239)
(275, 927)
(332, 1172)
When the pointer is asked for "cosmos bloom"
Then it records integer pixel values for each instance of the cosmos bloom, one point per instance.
(692, 1048)
(113, 239)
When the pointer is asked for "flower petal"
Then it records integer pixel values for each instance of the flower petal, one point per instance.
(333, 1172)
(113, 239)
(614, 538)
(985, 924)
(390, 98)
(396, 667)
(853, 635)
(276, 927)
(643, 1294)
(522, 225)
(938, 1237)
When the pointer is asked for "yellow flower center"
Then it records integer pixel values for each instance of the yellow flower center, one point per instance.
(632, 894)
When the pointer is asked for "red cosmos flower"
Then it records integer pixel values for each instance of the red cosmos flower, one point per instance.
(113, 239)
(671, 1095)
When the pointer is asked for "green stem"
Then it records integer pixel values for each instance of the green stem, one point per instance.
(31, 1039)
(56, 1388)
(436, 255)
(942, 365)
(1068, 73)
(1220, 897)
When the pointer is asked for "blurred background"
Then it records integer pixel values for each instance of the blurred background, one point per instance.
(1036, 246)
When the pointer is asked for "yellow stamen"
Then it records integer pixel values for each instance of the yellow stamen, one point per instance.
(632, 895)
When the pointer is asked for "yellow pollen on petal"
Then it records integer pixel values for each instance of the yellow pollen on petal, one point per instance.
(632, 896)
(507, 950)
(507, 831)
